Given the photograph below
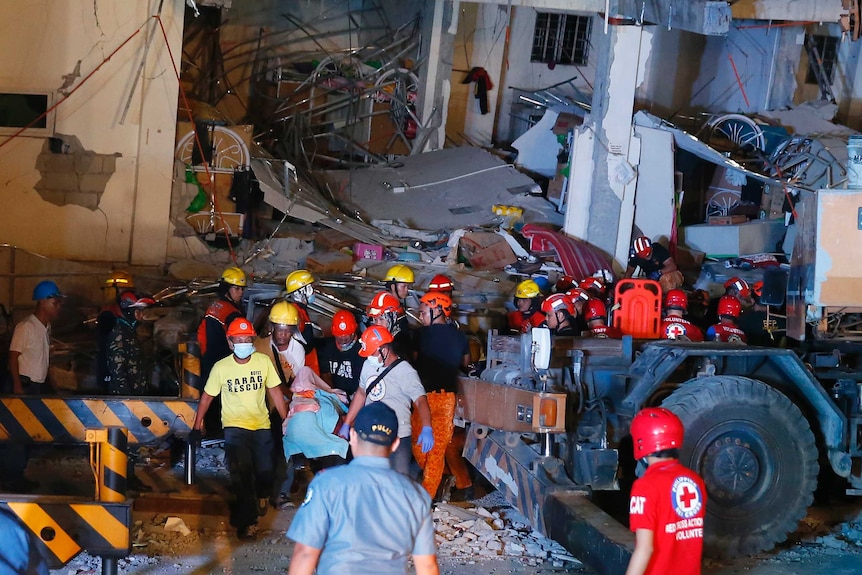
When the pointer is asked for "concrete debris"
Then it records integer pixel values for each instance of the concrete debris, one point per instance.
(175, 524)
(477, 533)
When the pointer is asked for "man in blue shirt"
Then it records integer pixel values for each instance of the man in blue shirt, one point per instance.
(365, 517)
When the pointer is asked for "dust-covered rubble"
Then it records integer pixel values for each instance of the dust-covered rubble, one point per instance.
(476, 532)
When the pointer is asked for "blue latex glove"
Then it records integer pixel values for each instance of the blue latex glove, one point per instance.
(426, 439)
(344, 431)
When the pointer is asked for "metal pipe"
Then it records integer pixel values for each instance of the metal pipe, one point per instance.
(547, 445)
(109, 566)
(189, 462)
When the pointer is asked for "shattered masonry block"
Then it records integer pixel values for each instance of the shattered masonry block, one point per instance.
(48, 162)
(83, 199)
(60, 181)
(58, 198)
(94, 183)
(109, 163)
(87, 162)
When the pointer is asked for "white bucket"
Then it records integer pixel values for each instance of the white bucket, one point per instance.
(854, 162)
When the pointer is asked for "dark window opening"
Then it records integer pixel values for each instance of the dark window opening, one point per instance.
(827, 47)
(561, 38)
(19, 110)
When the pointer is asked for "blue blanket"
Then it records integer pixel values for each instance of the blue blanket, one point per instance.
(311, 434)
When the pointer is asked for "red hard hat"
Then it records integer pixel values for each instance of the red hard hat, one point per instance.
(558, 302)
(757, 288)
(239, 327)
(441, 283)
(438, 299)
(564, 283)
(729, 305)
(655, 429)
(576, 294)
(343, 323)
(595, 309)
(643, 247)
(740, 285)
(676, 298)
(594, 284)
(372, 338)
(383, 302)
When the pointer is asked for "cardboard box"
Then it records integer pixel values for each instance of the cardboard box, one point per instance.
(727, 220)
(485, 250)
(367, 251)
(332, 240)
(329, 263)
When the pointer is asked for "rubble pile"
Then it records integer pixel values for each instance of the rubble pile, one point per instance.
(477, 533)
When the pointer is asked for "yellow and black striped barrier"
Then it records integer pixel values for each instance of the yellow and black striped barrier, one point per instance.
(64, 420)
(65, 527)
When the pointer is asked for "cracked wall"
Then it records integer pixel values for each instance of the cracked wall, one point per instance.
(71, 174)
(103, 192)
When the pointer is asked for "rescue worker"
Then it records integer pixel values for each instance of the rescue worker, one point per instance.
(579, 299)
(29, 360)
(287, 356)
(301, 292)
(668, 503)
(442, 283)
(340, 362)
(655, 262)
(129, 371)
(283, 341)
(244, 380)
(725, 330)
(365, 517)
(386, 311)
(528, 303)
(22, 551)
(761, 326)
(674, 325)
(399, 279)
(594, 287)
(115, 285)
(212, 330)
(596, 315)
(559, 310)
(737, 287)
(443, 353)
(388, 378)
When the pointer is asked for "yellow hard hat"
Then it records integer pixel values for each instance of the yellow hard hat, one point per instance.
(399, 273)
(527, 289)
(120, 280)
(298, 279)
(284, 313)
(233, 276)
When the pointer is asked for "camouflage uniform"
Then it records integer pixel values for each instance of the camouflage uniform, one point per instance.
(127, 367)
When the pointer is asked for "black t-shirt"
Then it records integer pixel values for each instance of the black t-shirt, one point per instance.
(344, 366)
(441, 350)
(652, 264)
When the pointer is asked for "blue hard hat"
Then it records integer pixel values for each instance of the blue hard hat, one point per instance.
(543, 283)
(46, 289)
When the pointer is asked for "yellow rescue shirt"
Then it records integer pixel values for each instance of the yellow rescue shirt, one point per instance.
(242, 387)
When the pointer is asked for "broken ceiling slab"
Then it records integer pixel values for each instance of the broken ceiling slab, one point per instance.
(443, 189)
(810, 118)
(302, 201)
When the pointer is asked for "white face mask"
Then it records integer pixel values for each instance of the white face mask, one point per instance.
(374, 361)
(243, 350)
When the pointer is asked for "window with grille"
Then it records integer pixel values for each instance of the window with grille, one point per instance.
(561, 38)
(827, 47)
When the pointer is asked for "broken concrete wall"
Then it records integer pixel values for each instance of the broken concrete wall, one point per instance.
(67, 209)
(520, 72)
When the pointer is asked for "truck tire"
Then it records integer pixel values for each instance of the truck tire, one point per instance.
(757, 456)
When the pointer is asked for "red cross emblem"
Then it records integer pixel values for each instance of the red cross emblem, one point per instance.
(687, 499)
(675, 330)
